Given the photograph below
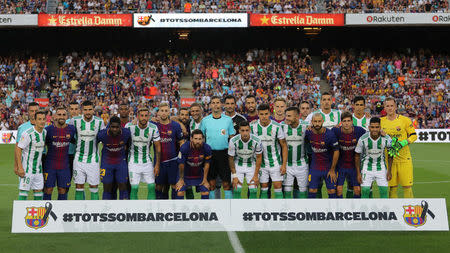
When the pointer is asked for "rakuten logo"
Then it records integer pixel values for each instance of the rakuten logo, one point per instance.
(441, 19)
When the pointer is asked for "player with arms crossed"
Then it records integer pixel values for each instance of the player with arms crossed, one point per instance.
(347, 136)
(275, 151)
(28, 155)
(86, 162)
(245, 157)
(114, 168)
(324, 158)
(297, 168)
(140, 164)
(56, 163)
(193, 164)
(371, 147)
(402, 129)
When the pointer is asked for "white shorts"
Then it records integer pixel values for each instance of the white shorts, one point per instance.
(245, 172)
(370, 176)
(31, 182)
(86, 173)
(299, 172)
(273, 173)
(141, 172)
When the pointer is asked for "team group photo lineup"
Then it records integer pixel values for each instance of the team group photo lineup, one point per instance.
(221, 146)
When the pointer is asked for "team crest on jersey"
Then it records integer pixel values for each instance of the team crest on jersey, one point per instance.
(7, 137)
(398, 128)
(68, 136)
(223, 132)
(169, 132)
(37, 217)
(416, 215)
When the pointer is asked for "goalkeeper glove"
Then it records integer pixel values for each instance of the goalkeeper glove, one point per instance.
(402, 143)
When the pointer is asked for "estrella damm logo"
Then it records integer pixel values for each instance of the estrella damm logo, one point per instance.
(37, 217)
(416, 215)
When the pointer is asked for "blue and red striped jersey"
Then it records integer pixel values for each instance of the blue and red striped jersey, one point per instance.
(57, 141)
(114, 147)
(347, 145)
(170, 135)
(194, 160)
(323, 146)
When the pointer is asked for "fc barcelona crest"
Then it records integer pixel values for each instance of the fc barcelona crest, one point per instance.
(416, 215)
(7, 137)
(37, 217)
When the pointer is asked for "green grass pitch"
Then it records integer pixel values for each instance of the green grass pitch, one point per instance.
(431, 176)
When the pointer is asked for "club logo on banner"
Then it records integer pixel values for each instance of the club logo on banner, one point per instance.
(417, 215)
(37, 217)
(296, 19)
(8, 137)
(190, 20)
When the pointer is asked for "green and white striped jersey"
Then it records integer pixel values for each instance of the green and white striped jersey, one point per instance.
(363, 122)
(141, 141)
(245, 152)
(331, 119)
(295, 138)
(86, 150)
(194, 125)
(372, 152)
(32, 144)
(269, 136)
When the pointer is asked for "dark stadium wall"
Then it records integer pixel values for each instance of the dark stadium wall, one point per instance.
(51, 39)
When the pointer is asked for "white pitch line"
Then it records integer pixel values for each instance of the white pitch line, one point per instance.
(434, 182)
(235, 243)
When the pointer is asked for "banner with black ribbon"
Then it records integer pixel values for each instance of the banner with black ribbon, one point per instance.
(425, 210)
(48, 211)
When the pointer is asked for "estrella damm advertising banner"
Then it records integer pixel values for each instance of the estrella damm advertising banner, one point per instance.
(316, 19)
(85, 20)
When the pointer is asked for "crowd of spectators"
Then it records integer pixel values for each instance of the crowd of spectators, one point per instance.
(265, 73)
(21, 78)
(418, 79)
(106, 78)
(226, 6)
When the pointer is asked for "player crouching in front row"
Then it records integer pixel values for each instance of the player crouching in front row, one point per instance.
(193, 162)
(371, 147)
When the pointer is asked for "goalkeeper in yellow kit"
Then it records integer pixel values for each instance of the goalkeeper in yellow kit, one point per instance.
(401, 129)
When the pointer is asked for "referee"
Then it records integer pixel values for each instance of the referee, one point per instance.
(218, 128)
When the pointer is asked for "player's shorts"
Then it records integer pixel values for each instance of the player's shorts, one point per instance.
(194, 182)
(244, 172)
(402, 173)
(110, 173)
(270, 173)
(297, 172)
(52, 176)
(141, 172)
(86, 173)
(219, 166)
(168, 172)
(347, 174)
(370, 176)
(316, 177)
(31, 182)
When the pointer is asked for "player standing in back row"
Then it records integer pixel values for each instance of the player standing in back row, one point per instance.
(86, 167)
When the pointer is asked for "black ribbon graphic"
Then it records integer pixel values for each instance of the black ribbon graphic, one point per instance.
(425, 210)
(48, 211)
